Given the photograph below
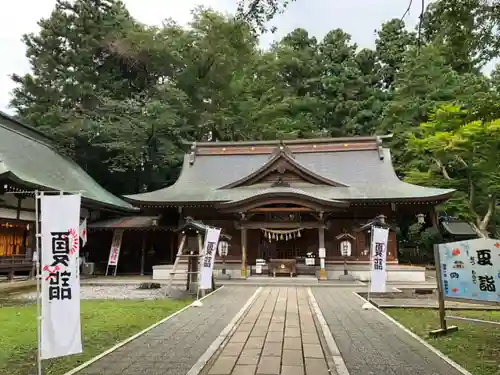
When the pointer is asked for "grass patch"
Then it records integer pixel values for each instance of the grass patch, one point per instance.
(104, 324)
(475, 347)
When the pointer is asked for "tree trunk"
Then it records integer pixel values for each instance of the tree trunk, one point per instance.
(482, 233)
(481, 226)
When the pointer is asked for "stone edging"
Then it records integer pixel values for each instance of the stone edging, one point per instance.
(418, 338)
(340, 365)
(220, 342)
(133, 337)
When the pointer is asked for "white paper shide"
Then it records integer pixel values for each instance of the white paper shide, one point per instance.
(60, 245)
(209, 251)
(379, 260)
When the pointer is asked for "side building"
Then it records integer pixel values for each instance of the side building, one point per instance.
(29, 162)
(288, 200)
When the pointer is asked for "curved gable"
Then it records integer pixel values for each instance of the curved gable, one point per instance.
(280, 169)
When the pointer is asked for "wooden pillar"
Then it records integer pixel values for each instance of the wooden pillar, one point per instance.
(244, 253)
(143, 251)
(321, 251)
(173, 245)
(434, 217)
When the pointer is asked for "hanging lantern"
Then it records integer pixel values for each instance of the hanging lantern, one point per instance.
(281, 237)
(298, 233)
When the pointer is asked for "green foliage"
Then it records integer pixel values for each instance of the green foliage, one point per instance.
(121, 97)
(463, 153)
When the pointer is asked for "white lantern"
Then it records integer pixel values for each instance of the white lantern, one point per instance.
(345, 248)
(223, 248)
(421, 219)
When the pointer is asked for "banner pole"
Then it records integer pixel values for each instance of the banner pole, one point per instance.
(201, 255)
(38, 283)
(368, 305)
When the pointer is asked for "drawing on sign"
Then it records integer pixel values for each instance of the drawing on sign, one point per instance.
(471, 270)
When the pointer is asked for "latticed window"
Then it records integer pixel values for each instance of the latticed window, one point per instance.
(13, 239)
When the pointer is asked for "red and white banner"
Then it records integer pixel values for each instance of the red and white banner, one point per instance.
(60, 321)
(116, 244)
(83, 232)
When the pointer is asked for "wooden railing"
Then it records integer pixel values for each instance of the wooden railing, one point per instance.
(15, 263)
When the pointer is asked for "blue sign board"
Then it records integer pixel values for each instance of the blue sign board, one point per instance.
(470, 269)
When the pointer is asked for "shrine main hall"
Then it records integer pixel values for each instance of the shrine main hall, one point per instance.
(292, 201)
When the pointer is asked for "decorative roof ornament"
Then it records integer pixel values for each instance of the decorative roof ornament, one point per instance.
(282, 148)
(192, 154)
(380, 148)
(280, 182)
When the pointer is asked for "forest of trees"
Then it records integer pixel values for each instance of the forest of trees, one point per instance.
(120, 97)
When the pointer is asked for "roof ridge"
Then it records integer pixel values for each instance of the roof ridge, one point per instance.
(277, 142)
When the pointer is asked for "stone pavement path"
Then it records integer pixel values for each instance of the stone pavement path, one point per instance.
(277, 336)
(174, 347)
(371, 344)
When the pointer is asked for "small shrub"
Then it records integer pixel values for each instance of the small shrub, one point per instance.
(149, 286)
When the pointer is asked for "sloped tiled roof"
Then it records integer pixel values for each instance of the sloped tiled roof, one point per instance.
(29, 157)
(368, 175)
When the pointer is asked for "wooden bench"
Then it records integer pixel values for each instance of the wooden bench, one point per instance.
(283, 266)
(16, 263)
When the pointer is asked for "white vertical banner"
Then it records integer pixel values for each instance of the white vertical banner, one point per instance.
(379, 259)
(209, 250)
(60, 244)
(116, 244)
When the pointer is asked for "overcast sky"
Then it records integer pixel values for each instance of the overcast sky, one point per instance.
(359, 18)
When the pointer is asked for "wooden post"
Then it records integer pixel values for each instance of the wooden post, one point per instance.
(189, 270)
(442, 309)
(172, 247)
(244, 253)
(143, 252)
(321, 243)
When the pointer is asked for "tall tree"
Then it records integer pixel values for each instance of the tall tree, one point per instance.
(424, 82)
(392, 43)
(467, 31)
(72, 63)
(462, 153)
(259, 12)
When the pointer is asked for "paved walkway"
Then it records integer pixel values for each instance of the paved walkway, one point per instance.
(174, 347)
(277, 336)
(370, 343)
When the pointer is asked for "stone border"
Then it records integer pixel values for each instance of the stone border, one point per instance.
(133, 337)
(327, 334)
(220, 341)
(451, 308)
(418, 338)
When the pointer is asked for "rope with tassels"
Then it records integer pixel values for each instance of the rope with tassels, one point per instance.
(282, 234)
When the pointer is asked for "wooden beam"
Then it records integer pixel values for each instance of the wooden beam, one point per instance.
(282, 209)
(279, 225)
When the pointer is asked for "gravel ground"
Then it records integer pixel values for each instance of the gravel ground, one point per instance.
(112, 292)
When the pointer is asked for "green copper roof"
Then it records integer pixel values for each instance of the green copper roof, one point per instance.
(28, 156)
(365, 173)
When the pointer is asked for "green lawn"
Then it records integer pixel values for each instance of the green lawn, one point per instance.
(475, 347)
(104, 323)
